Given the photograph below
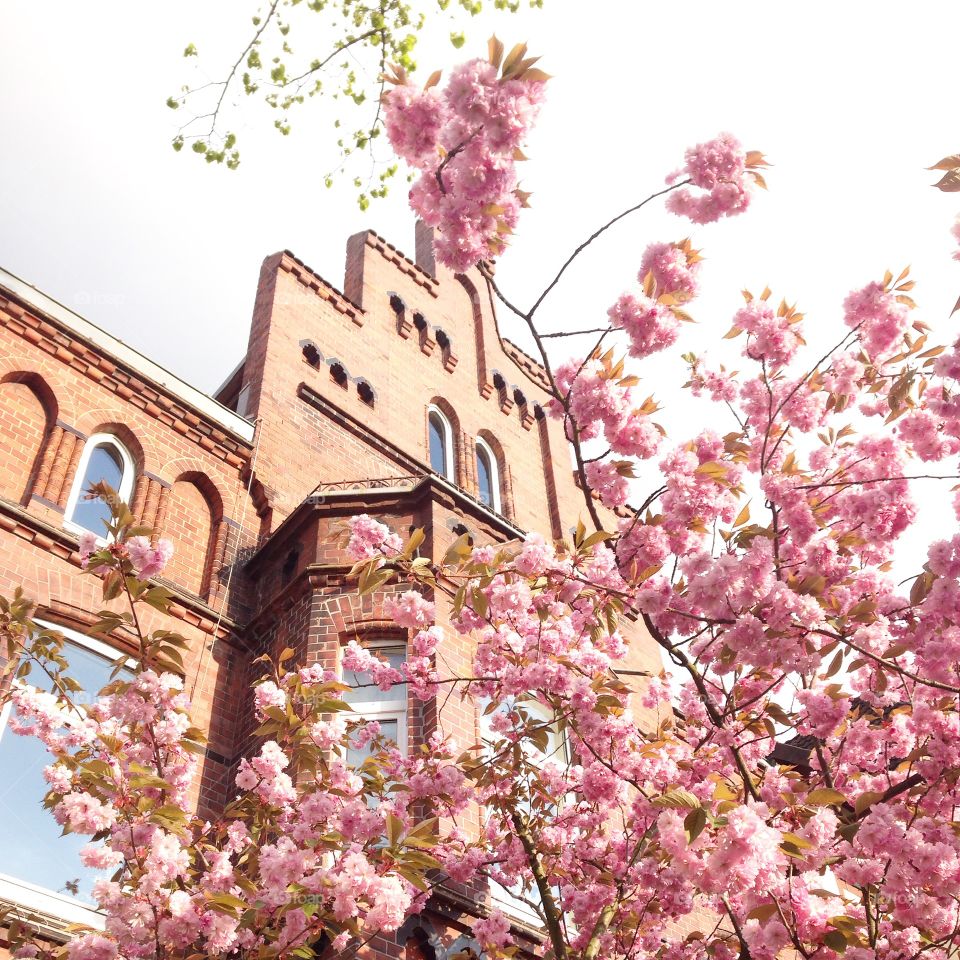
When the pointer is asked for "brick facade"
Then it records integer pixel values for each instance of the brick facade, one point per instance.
(325, 417)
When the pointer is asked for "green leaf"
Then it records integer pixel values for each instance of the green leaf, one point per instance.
(416, 538)
(801, 842)
(836, 941)
(825, 797)
(694, 822)
(865, 800)
(394, 829)
(677, 799)
(598, 537)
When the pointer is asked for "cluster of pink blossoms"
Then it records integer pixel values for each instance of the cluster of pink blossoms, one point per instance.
(724, 172)
(599, 400)
(139, 727)
(673, 267)
(466, 140)
(650, 325)
(772, 335)
(719, 384)
(668, 272)
(148, 559)
(879, 318)
(369, 538)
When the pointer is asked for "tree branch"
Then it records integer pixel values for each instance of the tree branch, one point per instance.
(593, 236)
(550, 909)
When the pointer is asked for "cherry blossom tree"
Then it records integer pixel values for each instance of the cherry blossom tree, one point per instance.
(761, 564)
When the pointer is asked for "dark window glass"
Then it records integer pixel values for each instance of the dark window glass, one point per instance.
(104, 464)
(485, 477)
(438, 445)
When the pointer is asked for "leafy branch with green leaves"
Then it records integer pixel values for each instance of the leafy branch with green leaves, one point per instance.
(343, 53)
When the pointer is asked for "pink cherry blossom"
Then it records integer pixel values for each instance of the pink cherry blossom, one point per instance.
(369, 537)
(465, 138)
(410, 609)
(719, 168)
(414, 121)
(610, 485)
(878, 317)
(148, 560)
(771, 334)
(674, 268)
(650, 326)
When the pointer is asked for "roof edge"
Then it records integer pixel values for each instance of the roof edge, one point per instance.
(116, 349)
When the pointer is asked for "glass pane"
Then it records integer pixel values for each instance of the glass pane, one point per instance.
(484, 478)
(438, 445)
(389, 728)
(394, 656)
(539, 714)
(104, 464)
(33, 849)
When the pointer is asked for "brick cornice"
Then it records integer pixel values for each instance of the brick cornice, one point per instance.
(77, 353)
(322, 288)
(526, 363)
(400, 260)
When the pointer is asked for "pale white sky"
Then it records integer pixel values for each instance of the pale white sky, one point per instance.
(850, 101)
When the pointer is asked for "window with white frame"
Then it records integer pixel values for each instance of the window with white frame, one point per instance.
(488, 475)
(104, 458)
(441, 442)
(556, 749)
(41, 869)
(369, 702)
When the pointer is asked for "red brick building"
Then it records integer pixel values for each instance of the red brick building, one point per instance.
(396, 396)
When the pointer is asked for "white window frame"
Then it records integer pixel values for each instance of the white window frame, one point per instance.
(390, 707)
(494, 465)
(76, 491)
(49, 903)
(509, 902)
(447, 442)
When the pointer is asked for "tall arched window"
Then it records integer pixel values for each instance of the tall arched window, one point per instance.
(368, 702)
(441, 442)
(488, 475)
(40, 868)
(104, 458)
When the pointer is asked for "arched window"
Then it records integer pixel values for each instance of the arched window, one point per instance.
(41, 869)
(368, 702)
(488, 475)
(441, 443)
(104, 458)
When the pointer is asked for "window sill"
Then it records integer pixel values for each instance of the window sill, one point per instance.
(502, 899)
(49, 913)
